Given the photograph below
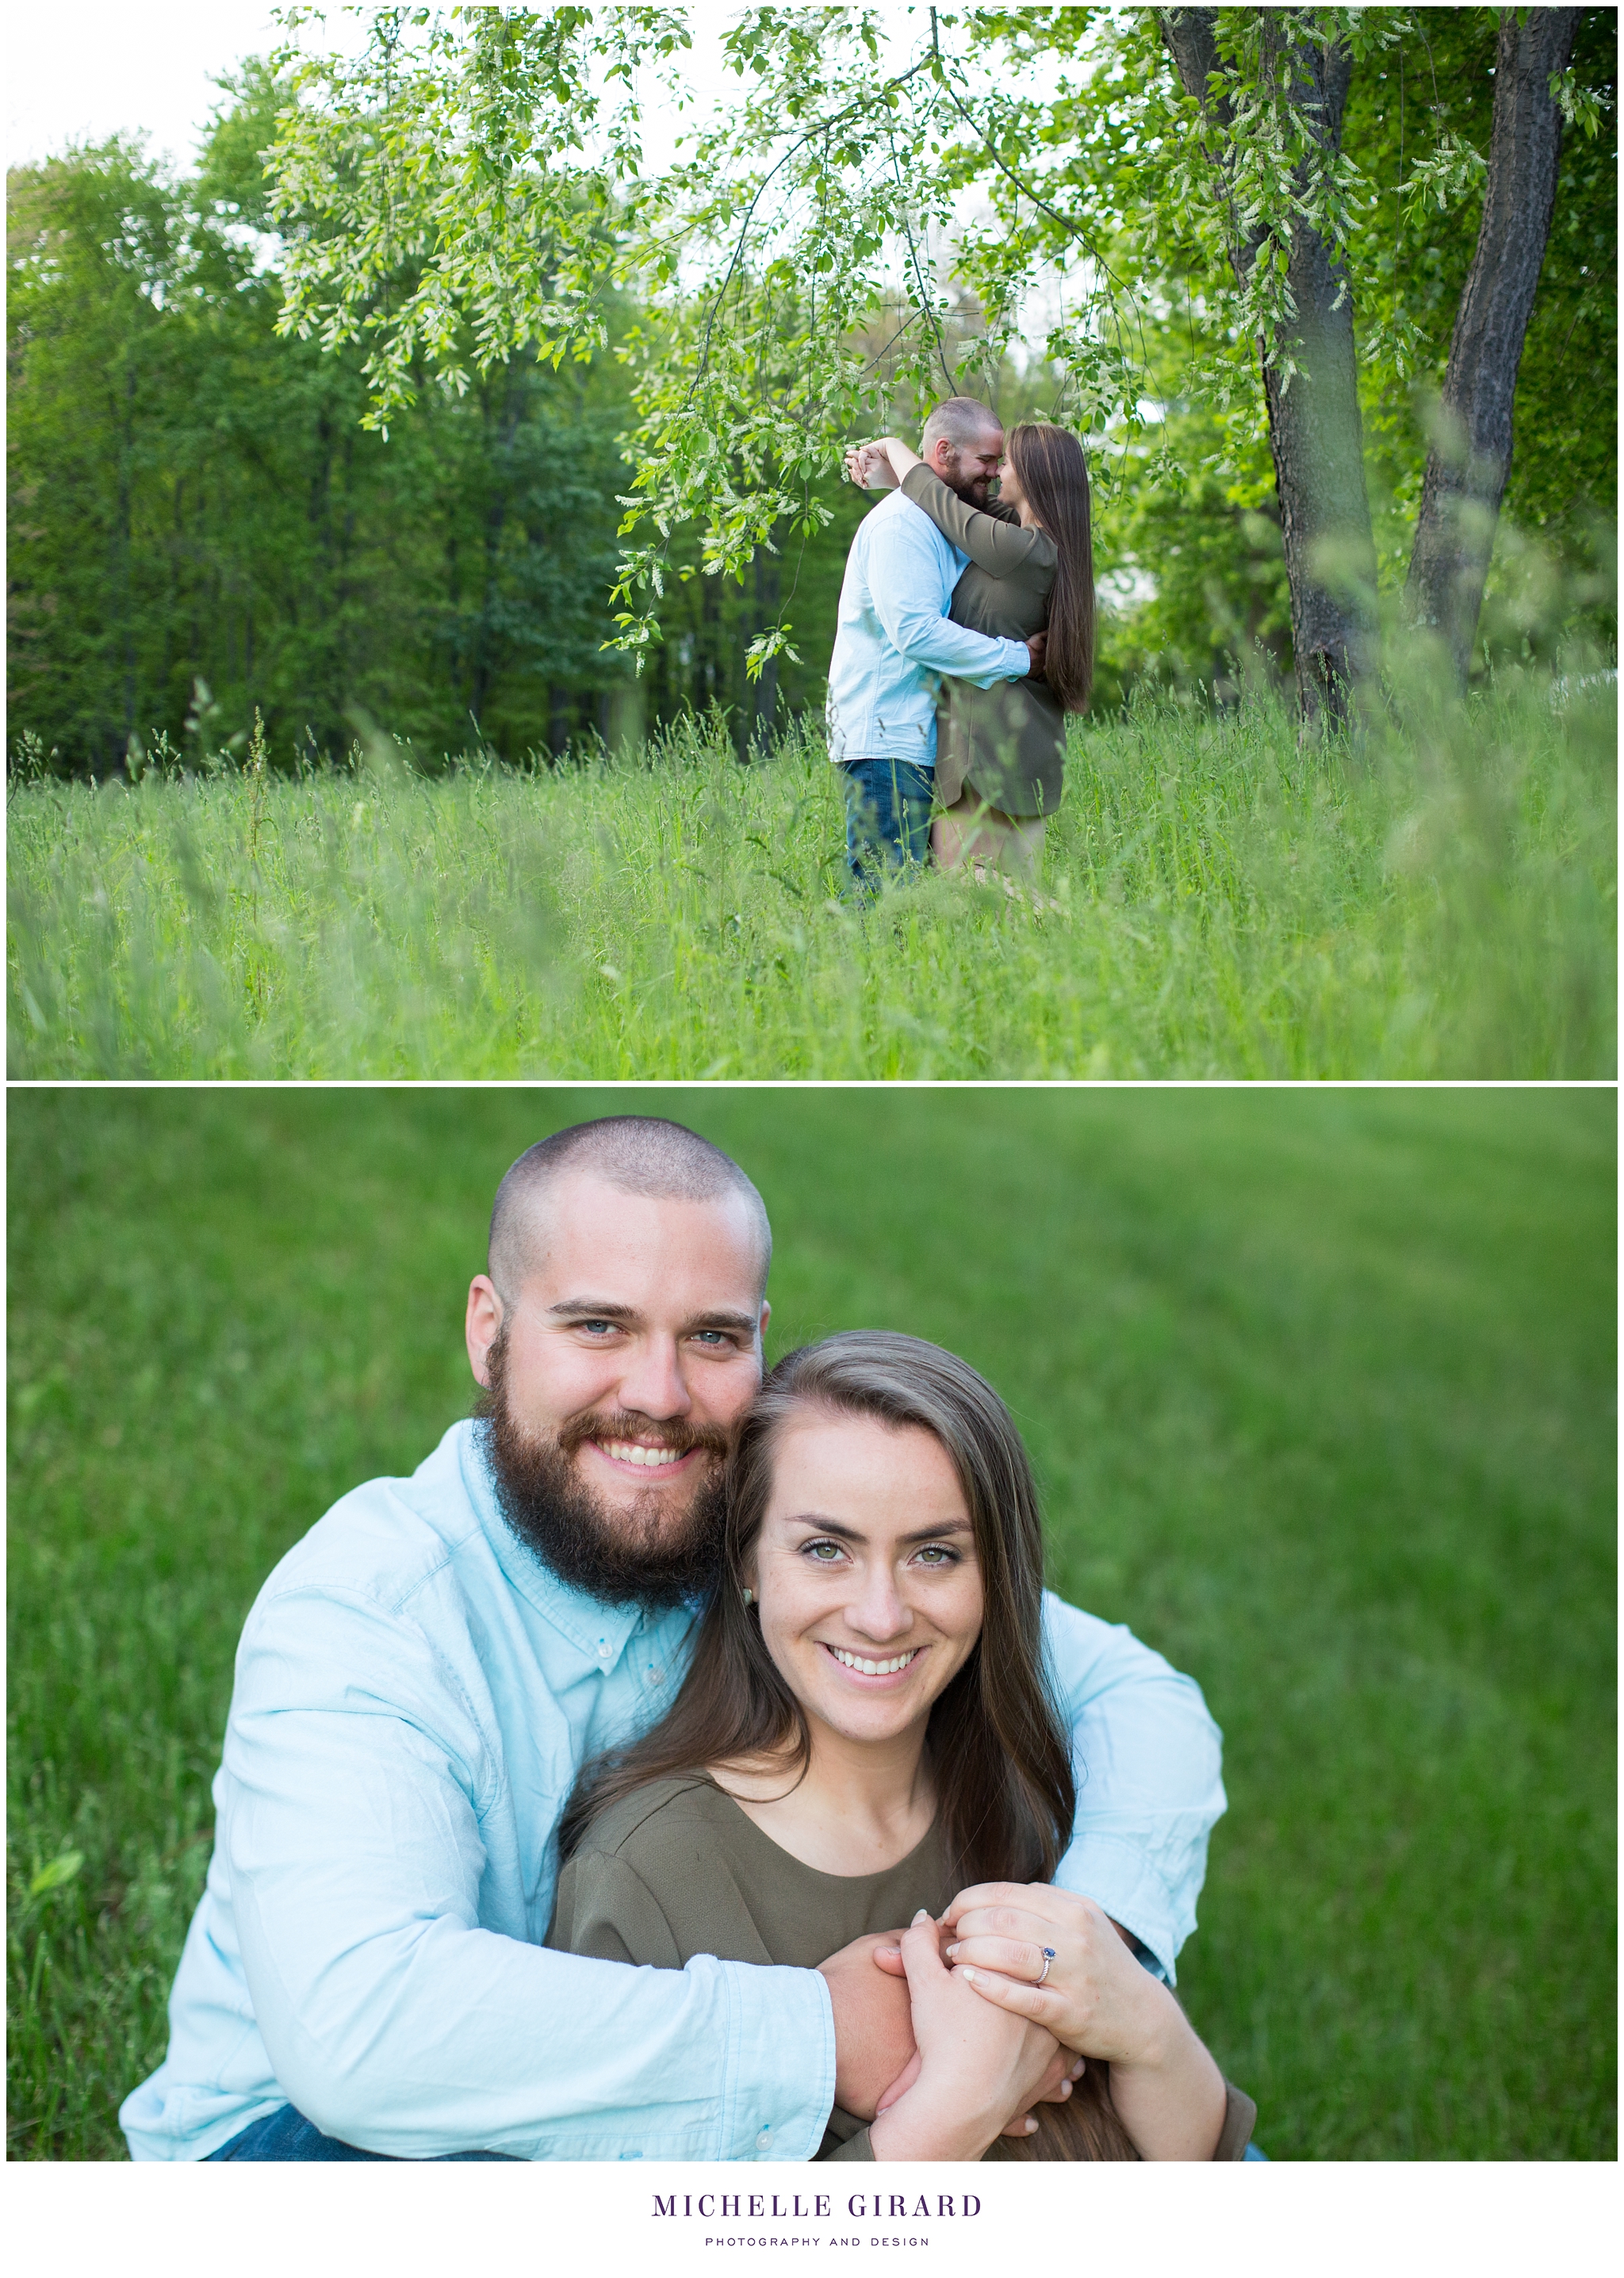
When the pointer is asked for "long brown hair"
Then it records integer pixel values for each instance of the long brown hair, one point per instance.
(1008, 1797)
(1053, 471)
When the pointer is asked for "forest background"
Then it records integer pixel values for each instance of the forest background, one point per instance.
(200, 527)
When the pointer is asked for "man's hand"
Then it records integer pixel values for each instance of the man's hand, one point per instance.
(873, 2022)
(1036, 647)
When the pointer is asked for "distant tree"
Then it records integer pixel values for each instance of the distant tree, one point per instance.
(94, 248)
(195, 498)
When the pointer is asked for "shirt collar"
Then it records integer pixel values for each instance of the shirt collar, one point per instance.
(600, 1633)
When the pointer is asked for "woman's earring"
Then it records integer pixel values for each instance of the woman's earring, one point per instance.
(748, 1596)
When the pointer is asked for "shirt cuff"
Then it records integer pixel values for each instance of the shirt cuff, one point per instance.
(1014, 663)
(781, 2084)
(1116, 1874)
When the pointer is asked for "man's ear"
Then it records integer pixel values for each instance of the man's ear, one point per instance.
(483, 1321)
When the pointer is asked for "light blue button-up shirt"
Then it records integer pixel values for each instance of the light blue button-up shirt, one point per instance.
(894, 639)
(415, 1694)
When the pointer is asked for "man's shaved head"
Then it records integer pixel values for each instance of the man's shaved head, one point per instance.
(640, 1154)
(959, 421)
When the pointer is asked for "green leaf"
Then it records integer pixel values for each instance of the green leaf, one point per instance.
(61, 1869)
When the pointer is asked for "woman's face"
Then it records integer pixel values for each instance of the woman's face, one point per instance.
(1009, 491)
(866, 1572)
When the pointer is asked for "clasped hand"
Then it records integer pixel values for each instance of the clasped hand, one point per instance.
(1058, 1960)
(938, 2071)
(869, 466)
(1094, 1997)
(978, 2069)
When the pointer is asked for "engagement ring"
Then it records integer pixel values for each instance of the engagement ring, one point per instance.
(1047, 1952)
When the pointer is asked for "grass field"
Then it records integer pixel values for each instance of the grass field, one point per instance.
(1319, 1384)
(1439, 903)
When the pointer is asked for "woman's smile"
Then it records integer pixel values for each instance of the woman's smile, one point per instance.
(865, 1666)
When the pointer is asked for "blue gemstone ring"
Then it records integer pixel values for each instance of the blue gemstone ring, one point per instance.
(1047, 1952)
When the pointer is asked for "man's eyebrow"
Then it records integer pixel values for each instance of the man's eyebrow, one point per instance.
(596, 1308)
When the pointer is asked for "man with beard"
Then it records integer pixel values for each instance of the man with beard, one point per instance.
(894, 639)
(424, 1675)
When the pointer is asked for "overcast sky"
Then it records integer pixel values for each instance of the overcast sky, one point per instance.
(82, 69)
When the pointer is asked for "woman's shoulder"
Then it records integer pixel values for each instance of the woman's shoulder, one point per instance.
(665, 1810)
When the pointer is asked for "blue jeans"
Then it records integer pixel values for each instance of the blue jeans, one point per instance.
(887, 818)
(288, 2135)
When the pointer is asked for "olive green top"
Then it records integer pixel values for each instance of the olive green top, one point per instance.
(678, 1869)
(1006, 744)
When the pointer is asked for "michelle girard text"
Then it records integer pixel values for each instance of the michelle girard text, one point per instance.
(816, 2206)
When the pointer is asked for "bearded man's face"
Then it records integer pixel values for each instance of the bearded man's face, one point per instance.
(971, 469)
(614, 1374)
(652, 1549)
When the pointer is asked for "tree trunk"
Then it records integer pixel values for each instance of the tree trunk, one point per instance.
(767, 684)
(557, 719)
(127, 556)
(499, 476)
(1314, 431)
(1470, 458)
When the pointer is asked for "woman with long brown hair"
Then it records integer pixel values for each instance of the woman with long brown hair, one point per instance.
(1000, 752)
(865, 1731)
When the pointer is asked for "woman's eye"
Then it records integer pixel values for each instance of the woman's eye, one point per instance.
(937, 1553)
(823, 1554)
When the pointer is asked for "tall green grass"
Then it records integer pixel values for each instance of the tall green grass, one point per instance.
(1438, 900)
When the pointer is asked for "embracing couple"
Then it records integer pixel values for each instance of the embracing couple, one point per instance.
(752, 1683)
(966, 635)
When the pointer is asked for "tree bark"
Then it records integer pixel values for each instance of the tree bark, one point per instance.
(1471, 454)
(1315, 434)
(766, 691)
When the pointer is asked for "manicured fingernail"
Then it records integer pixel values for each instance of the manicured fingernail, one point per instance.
(923, 1915)
(971, 1977)
(1031, 2127)
(951, 1951)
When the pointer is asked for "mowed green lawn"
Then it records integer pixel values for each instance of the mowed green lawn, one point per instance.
(1319, 1386)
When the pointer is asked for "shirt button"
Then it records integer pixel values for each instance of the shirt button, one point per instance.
(605, 1650)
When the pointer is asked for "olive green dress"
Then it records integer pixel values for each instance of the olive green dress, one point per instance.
(1006, 744)
(678, 1869)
